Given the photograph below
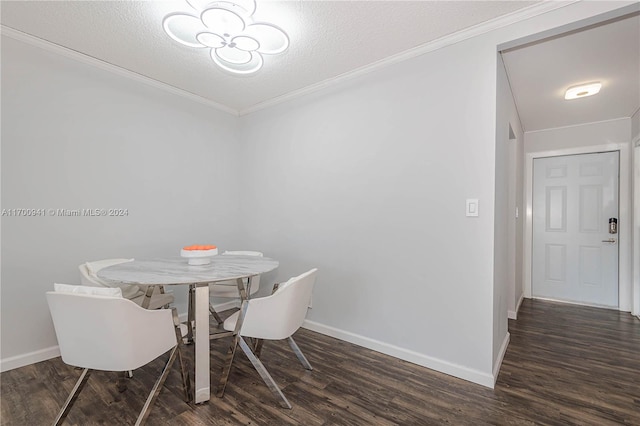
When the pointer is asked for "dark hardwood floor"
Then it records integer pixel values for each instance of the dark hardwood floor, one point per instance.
(565, 365)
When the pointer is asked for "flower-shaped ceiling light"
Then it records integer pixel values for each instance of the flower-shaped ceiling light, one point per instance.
(227, 28)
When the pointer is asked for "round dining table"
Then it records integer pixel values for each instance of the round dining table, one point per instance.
(177, 271)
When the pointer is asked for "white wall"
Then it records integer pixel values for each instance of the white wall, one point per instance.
(368, 182)
(608, 135)
(74, 137)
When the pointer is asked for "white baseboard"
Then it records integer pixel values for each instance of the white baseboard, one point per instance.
(28, 358)
(514, 314)
(52, 352)
(503, 351)
(442, 366)
(446, 367)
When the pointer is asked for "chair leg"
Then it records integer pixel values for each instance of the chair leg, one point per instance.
(215, 314)
(262, 371)
(147, 296)
(186, 381)
(184, 371)
(224, 377)
(299, 354)
(161, 291)
(121, 383)
(228, 362)
(258, 347)
(84, 376)
(146, 409)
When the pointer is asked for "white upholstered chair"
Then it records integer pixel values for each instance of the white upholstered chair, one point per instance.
(226, 289)
(89, 277)
(274, 317)
(229, 289)
(93, 327)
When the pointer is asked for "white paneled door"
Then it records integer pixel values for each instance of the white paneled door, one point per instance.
(575, 257)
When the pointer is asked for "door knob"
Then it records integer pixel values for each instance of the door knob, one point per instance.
(610, 240)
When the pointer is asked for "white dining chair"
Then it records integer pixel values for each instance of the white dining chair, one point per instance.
(229, 289)
(274, 317)
(89, 277)
(226, 289)
(93, 327)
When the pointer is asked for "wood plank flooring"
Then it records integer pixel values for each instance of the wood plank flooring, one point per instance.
(565, 365)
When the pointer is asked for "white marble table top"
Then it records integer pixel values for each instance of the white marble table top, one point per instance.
(176, 270)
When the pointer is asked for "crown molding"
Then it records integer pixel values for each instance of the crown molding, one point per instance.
(465, 34)
(114, 69)
(569, 126)
(476, 30)
(636, 138)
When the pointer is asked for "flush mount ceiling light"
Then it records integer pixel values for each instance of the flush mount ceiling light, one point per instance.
(235, 41)
(582, 91)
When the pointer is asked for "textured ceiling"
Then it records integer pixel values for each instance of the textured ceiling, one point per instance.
(539, 75)
(328, 39)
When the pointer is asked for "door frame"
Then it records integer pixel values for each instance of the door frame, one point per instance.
(625, 287)
(635, 146)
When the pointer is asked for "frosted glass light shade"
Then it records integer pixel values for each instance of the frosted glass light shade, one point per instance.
(211, 40)
(184, 28)
(253, 65)
(249, 6)
(233, 56)
(246, 43)
(272, 39)
(222, 21)
(236, 42)
(582, 91)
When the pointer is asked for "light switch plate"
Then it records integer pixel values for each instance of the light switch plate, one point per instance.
(472, 207)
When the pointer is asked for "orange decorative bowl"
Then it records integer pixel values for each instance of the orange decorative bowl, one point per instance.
(199, 254)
